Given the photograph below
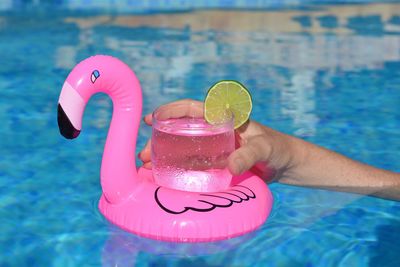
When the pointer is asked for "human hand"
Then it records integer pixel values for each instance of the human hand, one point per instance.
(265, 151)
(273, 155)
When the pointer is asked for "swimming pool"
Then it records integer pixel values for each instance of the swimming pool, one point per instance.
(327, 73)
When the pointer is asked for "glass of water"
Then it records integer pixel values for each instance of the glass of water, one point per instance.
(187, 152)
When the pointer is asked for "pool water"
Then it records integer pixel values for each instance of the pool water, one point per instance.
(327, 73)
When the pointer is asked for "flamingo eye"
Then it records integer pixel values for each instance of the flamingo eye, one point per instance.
(94, 76)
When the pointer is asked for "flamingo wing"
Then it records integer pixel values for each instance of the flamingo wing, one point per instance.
(181, 202)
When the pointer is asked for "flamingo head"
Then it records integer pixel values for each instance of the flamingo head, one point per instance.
(83, 81)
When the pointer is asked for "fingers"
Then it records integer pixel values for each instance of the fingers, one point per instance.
(248, 155)
(145, 154)
(148, 119)
(147, 165)
(177, 109)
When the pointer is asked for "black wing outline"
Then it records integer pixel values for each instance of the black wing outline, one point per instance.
(232, 198)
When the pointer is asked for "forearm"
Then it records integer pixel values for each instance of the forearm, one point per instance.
(287, 159)
(318, 167)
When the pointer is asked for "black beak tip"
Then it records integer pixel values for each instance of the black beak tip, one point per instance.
(65, 126)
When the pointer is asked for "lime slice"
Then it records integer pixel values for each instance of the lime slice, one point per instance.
(224, 97)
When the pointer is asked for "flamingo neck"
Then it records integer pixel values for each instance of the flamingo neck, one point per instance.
(118, 168)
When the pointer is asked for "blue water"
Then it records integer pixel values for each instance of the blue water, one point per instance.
(327, 73)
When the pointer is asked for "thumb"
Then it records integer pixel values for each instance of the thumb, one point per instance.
(245, 157)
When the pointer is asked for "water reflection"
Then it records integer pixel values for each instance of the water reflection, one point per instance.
(298, 102)
(125, 249)
(239, 44)
(6, 4)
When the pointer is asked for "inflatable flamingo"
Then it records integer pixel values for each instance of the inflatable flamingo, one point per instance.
(131, 199)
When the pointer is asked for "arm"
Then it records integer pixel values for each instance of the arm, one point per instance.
(300, 163)
(323, 168)
(291, 160)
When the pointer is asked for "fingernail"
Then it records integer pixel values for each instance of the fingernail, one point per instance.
(239, 165)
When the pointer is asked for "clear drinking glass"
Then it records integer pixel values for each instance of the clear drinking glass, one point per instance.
(188, 153)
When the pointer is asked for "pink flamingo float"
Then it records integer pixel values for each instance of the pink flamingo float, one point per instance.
(131, 199)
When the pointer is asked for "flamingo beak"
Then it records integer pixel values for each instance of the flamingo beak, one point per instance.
(70, 110)
(65, 125)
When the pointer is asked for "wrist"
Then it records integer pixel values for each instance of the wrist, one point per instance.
(297, 157)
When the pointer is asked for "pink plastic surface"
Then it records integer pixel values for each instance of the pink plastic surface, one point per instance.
(131, 199)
